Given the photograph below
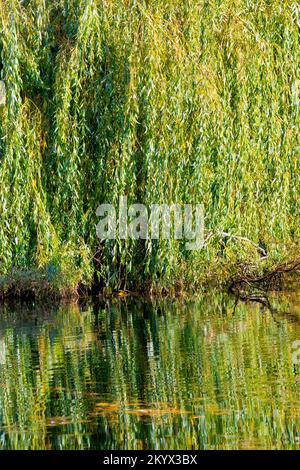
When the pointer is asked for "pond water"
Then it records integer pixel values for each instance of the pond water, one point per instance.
(131, 374)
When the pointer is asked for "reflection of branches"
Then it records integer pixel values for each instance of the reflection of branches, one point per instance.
(16, 312)
(235, 305)
(265, 302)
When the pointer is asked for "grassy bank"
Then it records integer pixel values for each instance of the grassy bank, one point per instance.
(245, 281)
(165, 101)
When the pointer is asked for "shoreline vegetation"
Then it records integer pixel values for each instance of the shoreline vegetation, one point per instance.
(246, 282)
(166, 102)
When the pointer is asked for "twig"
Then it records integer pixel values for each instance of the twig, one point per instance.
(244, 239)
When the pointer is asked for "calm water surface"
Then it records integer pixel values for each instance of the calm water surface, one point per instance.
(135, 375)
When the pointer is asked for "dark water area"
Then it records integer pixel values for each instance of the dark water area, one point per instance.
(131, 374)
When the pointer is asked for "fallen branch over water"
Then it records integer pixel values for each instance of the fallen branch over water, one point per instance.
(270, 278)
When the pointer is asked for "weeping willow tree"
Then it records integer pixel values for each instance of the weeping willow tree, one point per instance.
(164, 102)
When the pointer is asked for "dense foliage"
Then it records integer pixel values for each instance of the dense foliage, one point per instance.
(164, 101)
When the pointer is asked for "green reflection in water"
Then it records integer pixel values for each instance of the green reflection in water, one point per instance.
(137, 375)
